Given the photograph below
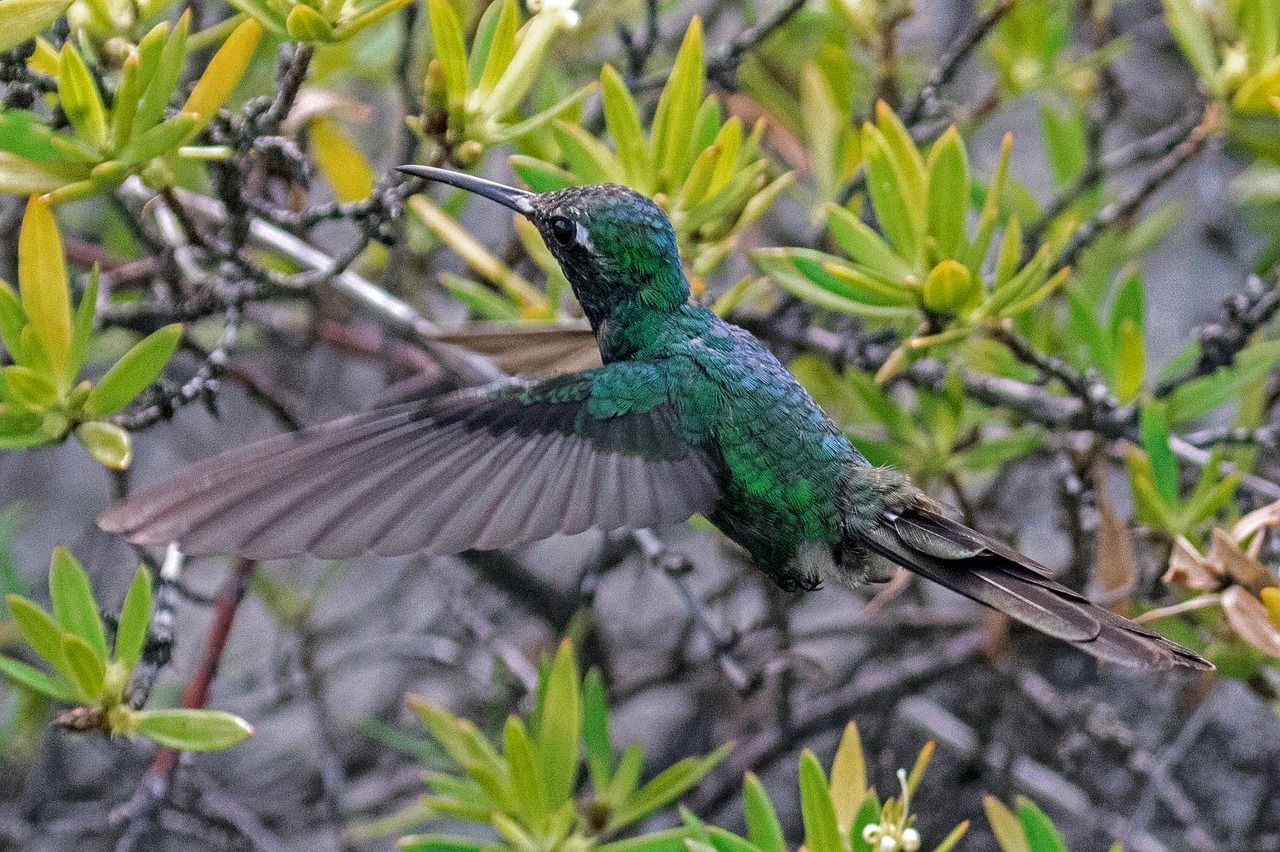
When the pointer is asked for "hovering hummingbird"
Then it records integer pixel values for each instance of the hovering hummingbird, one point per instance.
(688, 414)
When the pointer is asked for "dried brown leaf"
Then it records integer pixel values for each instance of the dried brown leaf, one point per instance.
(1257, 520)
(1115, 565)
(1242, 568)
(1189, 570)
(1248, 618)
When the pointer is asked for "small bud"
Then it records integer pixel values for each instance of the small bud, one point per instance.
(910, 840)
(469, 153)
(887, 844)
(871, 834)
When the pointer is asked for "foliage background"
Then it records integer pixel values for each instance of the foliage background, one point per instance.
(1182, 201)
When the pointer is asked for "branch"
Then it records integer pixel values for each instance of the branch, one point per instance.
(926, 102)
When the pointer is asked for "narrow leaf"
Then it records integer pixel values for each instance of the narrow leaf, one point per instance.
(135, 618)
(135, 370)
(42, 277)
(193, 730)
(73, 605)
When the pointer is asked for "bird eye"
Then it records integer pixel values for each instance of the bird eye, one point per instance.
(563, 231)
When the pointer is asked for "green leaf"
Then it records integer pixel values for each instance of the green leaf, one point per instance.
(1187, 21)
(73, 605)
(727, 841)
(1005, 826)
(889, 195)
(135, 618)
(990, 210)
(451, 50)
(821, 831)
(82, 325)
(306, 24)
(165, 138)
(590, 160)
(42, 277)
(1193, 399)
(24, 133)
(673, 122)
(497, 50)
(626, 778)
(80, 98)
(30, 387)
(169, 64)
(12, 321)
(88, 670)
(482, 301)
(595, 730)
(368, 18)
(540, 176)
(622, 118)
(25, 19)
(868, 813)
(864, 245)
(193, 730)
(1154, 431)
(442, 843)
(1064, 142)
(948, 197)
(1131, 360)
(667, 840)
(559, 724)
(40, 630)
(108, 443)
(664, 789)
(526, 781)
(265, 13)
(135, 370)
(763, 827)
(848, 777)
(38, 680)
(1041, 834)
(1129, 304)
(995, 452)
(124, 104)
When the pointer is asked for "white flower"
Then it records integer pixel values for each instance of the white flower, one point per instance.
(560, 10)
(910, 840)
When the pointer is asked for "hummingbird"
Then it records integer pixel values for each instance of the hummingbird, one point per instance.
(688, 414)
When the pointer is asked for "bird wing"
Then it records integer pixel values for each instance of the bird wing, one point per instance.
(481, 469)
(980, 568)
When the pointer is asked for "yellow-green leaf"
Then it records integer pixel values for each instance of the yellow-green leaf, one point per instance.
(821, 831)
(1005, 826)
(673, 123)
(948, 192)
(26, 18)
(73, 605)
(106, 442)
(848, 778)
(341, 163)
(38, 680)
(30, 387)
(367, 19)
(1130, 362)
(559, 726)
(193, 730)
(623, 120)
(306, 24)
(864, 245)
(42, 278)
(124, 105)
(169, 63)
(763, 827)
(135, 370)
(949, 287)
(224, 71)
(451, 50)
(87, 669)
(80, 98)
(40, 630)
(135, 618)
(890, 196)
(502, 48)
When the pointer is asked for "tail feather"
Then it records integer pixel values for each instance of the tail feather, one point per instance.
(982, 569)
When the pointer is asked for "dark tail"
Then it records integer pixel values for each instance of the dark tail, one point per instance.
(947, 552)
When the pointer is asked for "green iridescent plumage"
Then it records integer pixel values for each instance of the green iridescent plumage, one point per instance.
(689, 414)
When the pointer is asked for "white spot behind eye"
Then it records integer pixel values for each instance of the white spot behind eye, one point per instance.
(583, 238)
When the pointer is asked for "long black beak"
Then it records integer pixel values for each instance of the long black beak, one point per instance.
(518, 200)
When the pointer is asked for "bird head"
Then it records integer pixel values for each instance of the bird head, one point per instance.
(616, 246)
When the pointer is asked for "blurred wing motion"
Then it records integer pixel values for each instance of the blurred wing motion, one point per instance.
(475, 469)
(980, 568)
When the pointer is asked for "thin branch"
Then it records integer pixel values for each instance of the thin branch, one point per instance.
(925, 103)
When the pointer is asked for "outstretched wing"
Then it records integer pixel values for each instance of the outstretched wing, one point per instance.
(481, 469)
(980, 568)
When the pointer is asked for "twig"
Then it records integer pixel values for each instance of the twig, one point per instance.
(155, 655)
(638, 51)
(140, 812)
(1164, 169)
(925, 103)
